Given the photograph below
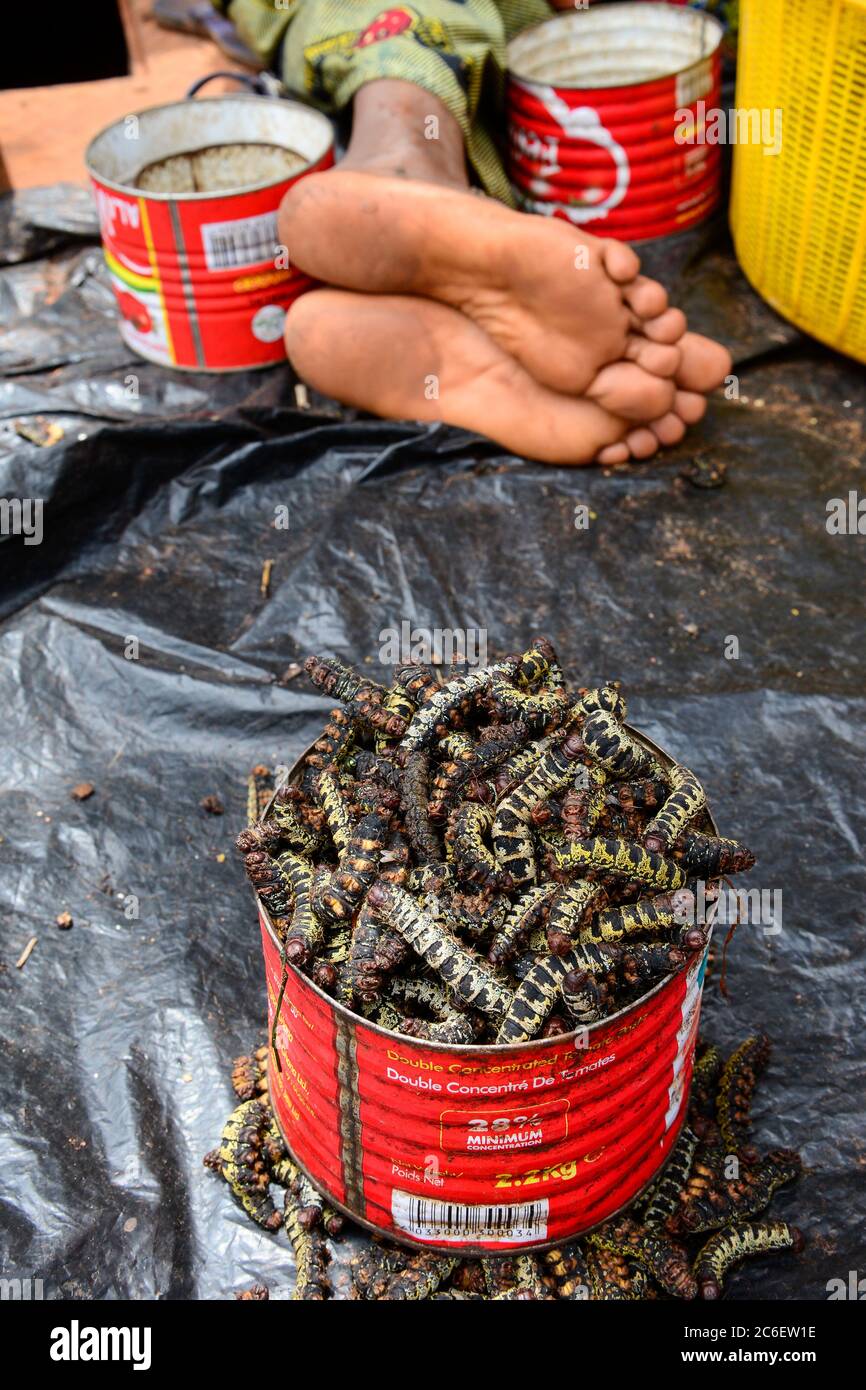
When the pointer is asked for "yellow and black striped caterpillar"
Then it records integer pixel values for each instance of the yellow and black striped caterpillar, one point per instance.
(570, 911)
(662, 914)
(686, 802)
(340, 896)
(398, 701)
(420, 1276)
(736, 1089)
(608, 699)
(661, 1201)
(329, 794)
(525, 914)
(710, 1200)
(737, 1242)
(609, 744)
(620, 859)
(540, 989)
(512, 841)
(665, 1261)
(709, 856)
(240, 1160)
(465, 974)
(311, 1255)
(432, 719)
(468, 827)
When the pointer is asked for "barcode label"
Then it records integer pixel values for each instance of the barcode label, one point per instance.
(430, 1220)
(244, 241)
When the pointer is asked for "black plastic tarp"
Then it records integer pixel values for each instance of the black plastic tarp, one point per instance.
(159, 508)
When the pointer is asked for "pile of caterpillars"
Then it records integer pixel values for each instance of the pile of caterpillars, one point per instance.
(485, 858)
(679, 1240)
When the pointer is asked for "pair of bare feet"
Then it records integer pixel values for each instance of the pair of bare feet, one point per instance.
(446, 305)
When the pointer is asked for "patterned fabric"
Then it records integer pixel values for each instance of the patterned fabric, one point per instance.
(324, 50)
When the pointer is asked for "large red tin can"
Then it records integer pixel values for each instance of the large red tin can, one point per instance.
(480, 1148)
(199, 278)
(597, 126)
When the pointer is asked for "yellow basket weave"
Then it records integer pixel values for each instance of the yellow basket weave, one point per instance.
(799, 217)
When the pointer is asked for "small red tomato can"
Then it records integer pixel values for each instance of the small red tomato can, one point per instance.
(486, 1148)
(606, 109)
(200, 280)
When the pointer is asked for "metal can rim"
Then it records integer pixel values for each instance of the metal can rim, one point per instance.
(132, 191)
(464, 1049)
(558, 19)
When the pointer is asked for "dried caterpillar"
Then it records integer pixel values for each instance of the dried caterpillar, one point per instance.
(469, 978)
(661, 914)
(526, 914)
(619, 859)
(414, 801)
(240, 1160)
(609, 744)
(686, 802)
(432, 719)
(662, 1199)
(582, 808)
(512, 843)
(711, 1201)
(540, 989)
(398, 702)
(420, 1277)
(735, 1243)
(736, 1089)
(469, 825)
(341, 894)
(570, 910)
(329, 794)
(311, 1255)
(710, 856)
(665, 1262)
(364, 699)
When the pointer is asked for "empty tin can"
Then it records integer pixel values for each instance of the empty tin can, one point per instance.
(604, 121)
(199, 277)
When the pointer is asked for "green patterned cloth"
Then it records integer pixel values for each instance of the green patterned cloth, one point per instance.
(324, 50)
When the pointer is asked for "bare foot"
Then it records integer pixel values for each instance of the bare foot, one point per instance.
(563, 304)
(404, 357)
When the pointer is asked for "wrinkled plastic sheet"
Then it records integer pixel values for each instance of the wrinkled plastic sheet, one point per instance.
(159, 503)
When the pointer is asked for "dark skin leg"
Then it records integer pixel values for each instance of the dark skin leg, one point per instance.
(397, 219)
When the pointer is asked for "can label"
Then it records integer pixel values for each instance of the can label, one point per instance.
(481, 1148)
(607, 158)
(199, 282)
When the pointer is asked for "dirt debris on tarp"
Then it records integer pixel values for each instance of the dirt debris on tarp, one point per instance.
(138, 653)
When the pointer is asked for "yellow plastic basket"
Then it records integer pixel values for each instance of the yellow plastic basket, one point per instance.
(799, 217)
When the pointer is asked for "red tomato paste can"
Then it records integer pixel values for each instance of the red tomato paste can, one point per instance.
(199, 278)
(606, 109)
(480, 1148)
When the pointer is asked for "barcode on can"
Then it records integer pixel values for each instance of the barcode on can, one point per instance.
(443, 1221)
(243, 241)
